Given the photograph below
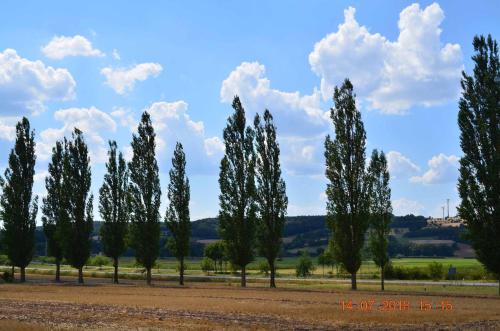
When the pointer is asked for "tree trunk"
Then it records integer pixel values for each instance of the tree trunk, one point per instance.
(115, 276)
(243, 277)
(58, 271)
(498, 285)
(80, 275)
(354, 286)
(273, 274)
(13, 272)
(148, 275)
(23, 274)
(382, 278)
(181, 272)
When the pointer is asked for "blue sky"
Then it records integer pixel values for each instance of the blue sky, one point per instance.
(98, 65)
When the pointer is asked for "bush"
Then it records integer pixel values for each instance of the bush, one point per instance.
(7, 277)
(207, 265)
(436, 270)
(402, 273)
(98, 261)
(264, 267)
(305, 266)
(4, 260)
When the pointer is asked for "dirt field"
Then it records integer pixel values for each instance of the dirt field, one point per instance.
(99, 305)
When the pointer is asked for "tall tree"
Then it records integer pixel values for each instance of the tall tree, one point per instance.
(77, 220)
(237, 186)
(52, 206)
(479, 182)
(347, 199)
(18, 207)
(144, 197)
(177, 216)
(380, 211)
(113, 207)
(271, 196)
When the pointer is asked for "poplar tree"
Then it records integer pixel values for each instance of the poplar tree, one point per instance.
(347, 199)
(18, 207)
(144, 197)
(77, 217)
(380, 211)
(177, 215)
(271, 192)
(237, 191)
(52, 207)
(113, 207)
(479, 181)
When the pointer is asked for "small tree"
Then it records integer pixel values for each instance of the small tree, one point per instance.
(113, 207)
(18, 207)
(216, 252)
(347, 199)
(77, 214)
(436, 270)
(144, 197)
(305, 265)
(479, 182)
(271, 196)
(380, 211)
(52, 207)
(237, 191)
(177, 217)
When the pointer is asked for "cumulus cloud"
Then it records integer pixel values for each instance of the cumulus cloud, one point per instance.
(291, 110)
(404, 206)
(214, 146)
(392, 76)
(123, 79)
(400, 166)
(25, 86)
(8, 128)
(303, 156)
(93, 122)
(116, 55)
(61, 46)
(442, 169)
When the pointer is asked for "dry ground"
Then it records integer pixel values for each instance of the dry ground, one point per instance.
(99, 305)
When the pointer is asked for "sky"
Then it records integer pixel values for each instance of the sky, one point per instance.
(97, 65)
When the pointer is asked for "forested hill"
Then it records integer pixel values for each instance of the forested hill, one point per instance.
(410, 236)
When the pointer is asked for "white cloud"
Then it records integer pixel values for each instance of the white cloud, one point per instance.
(25, 86)
(291, 110)
(8, 128)
(442, 169)
(400, 166)
(125, 117)
(405, 206)
(93, 122)
(302, 156)
(40, 176)
(61, 46)
(214, 146)
(414, 70)
(116, 55)
(123, 79)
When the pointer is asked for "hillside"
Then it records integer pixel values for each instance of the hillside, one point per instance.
(410, 236)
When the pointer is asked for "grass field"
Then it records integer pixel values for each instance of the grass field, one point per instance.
(41, 304)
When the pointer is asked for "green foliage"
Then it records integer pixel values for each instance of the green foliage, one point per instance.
(7, 277)
(271, 199)
(177, 216)
(436, 270)
(479, 181)
(18, 207)
(264, 267)
(207, 265)
(144, 196)
(113, 205)
(237, 190)
(98, 261)
(77, 205)
(347, 187)
(216, 251)
(304, 267)
(53, 204)
(405, 273)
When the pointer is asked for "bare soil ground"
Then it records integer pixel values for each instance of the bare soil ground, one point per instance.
(133, 306)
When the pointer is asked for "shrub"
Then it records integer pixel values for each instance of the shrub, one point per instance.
(264, 267)
(98, 261)
(402, 273)
(305, 266)
(436, 270)
(7, 277)
(207, 265)
(4, 260)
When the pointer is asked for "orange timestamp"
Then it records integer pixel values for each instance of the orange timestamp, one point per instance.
(395, 305)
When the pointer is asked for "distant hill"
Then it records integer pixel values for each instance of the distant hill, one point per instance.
(410, 236)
